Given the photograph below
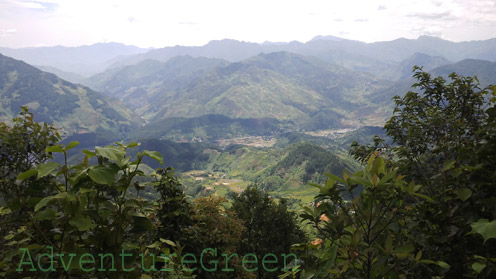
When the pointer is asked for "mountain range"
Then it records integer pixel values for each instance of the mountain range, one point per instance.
(228, 88)
(301, 90)
(374, 58)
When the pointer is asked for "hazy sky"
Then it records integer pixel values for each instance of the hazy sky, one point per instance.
(159, 23)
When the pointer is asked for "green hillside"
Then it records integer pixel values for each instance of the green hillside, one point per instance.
(142, 84)
(283, 172)
(304, 92)
(74, 108)
(241, 90)
(208, 127)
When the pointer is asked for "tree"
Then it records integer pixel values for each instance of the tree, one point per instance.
(174, 210)
(217, 228)
(368, 236)
(443, 139)
(271, 228)
(22, 146)
(83, 209)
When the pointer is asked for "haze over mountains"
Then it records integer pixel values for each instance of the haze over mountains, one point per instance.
(82, 60)
(356, 55)
(326, 83)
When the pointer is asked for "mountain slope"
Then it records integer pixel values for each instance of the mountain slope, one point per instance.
(73, 108)
(241, 90)
(484, 70)
(141, 84)
(403, 70)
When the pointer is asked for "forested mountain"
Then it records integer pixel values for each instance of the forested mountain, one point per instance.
(142, 84)
(74, 108)
(282, 86)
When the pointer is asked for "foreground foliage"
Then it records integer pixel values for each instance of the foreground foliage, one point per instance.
(427, 207)
(92, 220)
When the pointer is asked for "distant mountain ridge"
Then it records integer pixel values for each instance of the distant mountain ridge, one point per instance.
(82, 60)
(372, 58)
(403, 70)
(484, 70)
(355, 55)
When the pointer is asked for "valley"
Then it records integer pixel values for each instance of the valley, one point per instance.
(231, 114)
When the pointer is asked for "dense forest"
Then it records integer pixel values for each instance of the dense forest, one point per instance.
(421, 205)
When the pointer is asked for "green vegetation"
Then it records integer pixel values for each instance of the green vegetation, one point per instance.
(61, 220)
(423, 208)
(270, 227)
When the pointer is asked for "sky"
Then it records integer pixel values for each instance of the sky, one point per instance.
(160, 23)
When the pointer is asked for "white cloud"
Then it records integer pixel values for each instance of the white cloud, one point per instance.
(160, 23)
(7, 32)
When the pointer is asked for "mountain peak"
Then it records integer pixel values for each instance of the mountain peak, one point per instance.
(327, 38)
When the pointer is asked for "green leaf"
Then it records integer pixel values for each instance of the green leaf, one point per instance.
(334, 177)
(463, 193)
(443, 264)
(427, 198)
(71, 145)
(102, 174)
(389, 244)
(129, 246)
(82, 223)
(5, 210)
(166, 241)
(43, 202)
(485, 228)
(478, 267)
(46, 169)
(89, 153)
(360, 180)
(27, 174)
(449, 165)
(428, 262)
(156, 244)
(404, 249)
(132, 145)
(54, 148)
(418, 256)
(154, 155)
(379, 166)
(47, 214)
(110, 152)
(388, 176)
